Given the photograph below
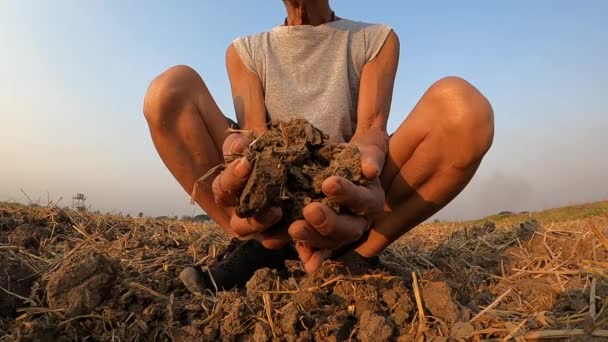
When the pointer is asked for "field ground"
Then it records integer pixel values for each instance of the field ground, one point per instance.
(521, 277)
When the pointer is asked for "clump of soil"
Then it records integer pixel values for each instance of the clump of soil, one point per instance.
(82, 282)
(17, 277)
(290, 161)
(28, 236)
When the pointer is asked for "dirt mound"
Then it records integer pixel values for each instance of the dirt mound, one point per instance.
(290, 161)
(327, 306)
(471, 283)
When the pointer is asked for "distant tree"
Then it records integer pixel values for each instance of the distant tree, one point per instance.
(140, 215)
(186, 218)
(202, 218)
(128, 216)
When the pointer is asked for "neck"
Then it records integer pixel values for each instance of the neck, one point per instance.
(308, 12)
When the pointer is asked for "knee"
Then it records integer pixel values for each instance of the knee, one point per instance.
(465, 116)
(170, 92)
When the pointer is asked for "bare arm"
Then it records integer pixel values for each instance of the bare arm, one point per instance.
(248, 96)
(247, 93)
(375, 96)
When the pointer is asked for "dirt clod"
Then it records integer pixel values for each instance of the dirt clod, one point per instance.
(28, 236)
(234, 323)
(438, 300)
(375, 327)
(81, 283)
(261, 332)
(289, 163)
(462, 329)
(16, 277)
(259, 281)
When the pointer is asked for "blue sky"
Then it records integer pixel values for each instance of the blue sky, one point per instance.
(73, 75)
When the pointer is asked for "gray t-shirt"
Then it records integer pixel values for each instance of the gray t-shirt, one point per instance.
(313, 71)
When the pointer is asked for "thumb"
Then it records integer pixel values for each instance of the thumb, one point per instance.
(372, 161)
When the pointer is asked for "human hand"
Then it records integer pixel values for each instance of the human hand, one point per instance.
(227, 187)
(322, 231)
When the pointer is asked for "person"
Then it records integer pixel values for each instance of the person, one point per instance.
(339, 75)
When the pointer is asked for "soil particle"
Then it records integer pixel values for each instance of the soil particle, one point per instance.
(308, 300)
(261, 332)
(400, 304)
(374, 327)
(81, 283)
(36, 333)
(438, 339)
(337, 328)
(151, 312)
(262, 280)
(188, 333)
(365, 305)
(289, 163)
(235, 321)
(437, 298)
(28, 236)
(462, 329)
(344, 290)
(15, 277)
(573, 300)
(290, 321)
(7, 223)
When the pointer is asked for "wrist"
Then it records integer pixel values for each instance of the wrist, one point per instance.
(371, 137)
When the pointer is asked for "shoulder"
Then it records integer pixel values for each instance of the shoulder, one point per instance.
(361, 26)
(251, 38)
(250, 50)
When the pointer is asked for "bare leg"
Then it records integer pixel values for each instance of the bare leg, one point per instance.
(188, 130)
(432, 156)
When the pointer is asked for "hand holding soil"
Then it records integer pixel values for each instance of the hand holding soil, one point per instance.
(322, 229)
(295, 178)
(230, 183)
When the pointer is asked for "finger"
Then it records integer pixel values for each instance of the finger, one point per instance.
(316, 260)
(372, 161)
(274, 238)
(304, 233)
(229, 183)
(343, 228)
(304, 251)
(247, 226)
(359, 199)
(235, 143)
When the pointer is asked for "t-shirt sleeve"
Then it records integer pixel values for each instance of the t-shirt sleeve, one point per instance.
(375, 35)
(244, 49)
